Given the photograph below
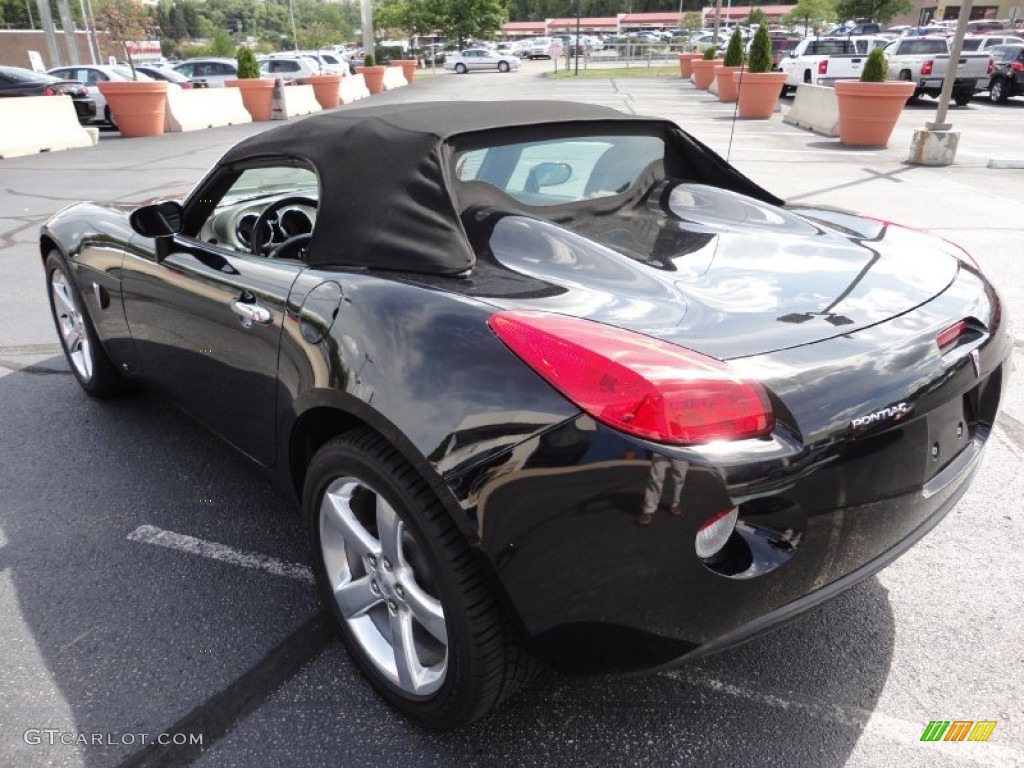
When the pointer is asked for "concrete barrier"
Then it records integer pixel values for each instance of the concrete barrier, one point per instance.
(198, 108)
(394, 77)
(815, 108)
(353, 89)
(297, 100)
(31, 124)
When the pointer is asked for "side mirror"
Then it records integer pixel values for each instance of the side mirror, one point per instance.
(158, 220)
(551, 174)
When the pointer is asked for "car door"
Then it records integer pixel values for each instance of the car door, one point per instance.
(206, 314)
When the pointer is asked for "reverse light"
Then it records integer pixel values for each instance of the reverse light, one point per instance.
(715, 532)
(926, 68)
(639, 385)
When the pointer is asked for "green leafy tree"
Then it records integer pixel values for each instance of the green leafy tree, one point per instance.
(881, 11)
(691, 21)
(811, 13)
(757, 16)
(125, 21)
(760, 51)
(734, 51)
(876, 68)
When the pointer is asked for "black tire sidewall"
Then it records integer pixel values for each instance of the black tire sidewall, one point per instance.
(341, 458)
(104, 380)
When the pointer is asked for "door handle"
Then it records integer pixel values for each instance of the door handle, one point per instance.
(248, 311)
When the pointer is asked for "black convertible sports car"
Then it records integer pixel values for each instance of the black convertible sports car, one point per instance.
(555, 383)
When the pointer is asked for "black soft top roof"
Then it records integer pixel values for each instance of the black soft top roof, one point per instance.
(385, 193)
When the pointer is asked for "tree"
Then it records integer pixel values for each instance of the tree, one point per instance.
(758, 17)
(691, 21)
(811, 13)
(125, 21)
(881, 11)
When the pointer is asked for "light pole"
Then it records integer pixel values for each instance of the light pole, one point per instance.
(295, 35)
(576, 49)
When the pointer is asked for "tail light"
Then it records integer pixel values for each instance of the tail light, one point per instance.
(639, 385)
(991, 66)
(715, 532)
(926, 68)
(823, 66)
(1015, 66)
(186, 86)
(50, 91)
(948, 337)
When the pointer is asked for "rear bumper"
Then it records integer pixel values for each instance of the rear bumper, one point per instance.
(821, 504)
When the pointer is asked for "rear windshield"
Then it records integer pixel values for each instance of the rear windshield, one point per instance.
(923, 46)
(563, 170)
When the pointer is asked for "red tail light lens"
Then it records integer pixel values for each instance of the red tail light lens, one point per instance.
(926, 68)
(186, 86)
(1015, 66)
(636, 384)
(947, 337)
(823, 66)
(48, 91)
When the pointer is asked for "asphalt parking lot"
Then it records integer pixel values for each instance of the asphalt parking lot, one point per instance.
(152, 581)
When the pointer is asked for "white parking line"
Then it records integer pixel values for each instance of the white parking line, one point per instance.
(906, 733)
(150, 534)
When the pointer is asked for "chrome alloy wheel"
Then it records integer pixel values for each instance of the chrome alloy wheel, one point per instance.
(71, 325)
(382, 583)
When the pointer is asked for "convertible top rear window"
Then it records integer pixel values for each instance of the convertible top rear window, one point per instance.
(562, 170)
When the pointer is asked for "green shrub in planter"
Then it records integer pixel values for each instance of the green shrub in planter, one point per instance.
(709, 54)
(760, 51)
(734, 53)
(370, 60)
(876, 69)
(248, 69)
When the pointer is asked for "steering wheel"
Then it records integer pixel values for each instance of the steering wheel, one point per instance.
(267, 229)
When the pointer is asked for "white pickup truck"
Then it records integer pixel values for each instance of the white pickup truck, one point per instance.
(823, 60)
(925, 60)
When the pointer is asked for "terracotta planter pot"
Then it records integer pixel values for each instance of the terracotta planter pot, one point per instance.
(686, 64)
(374, 77)
(868, 111)
(704, 72)
(326, 89)
(408, 67)
(257, 95)
(726, 85)
(758, 93)
(138, 107)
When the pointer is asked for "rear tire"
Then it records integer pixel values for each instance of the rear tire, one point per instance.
(109, 118)
(404, 589)
(962, 98)
(95, 372)
(503, 66)
(997, 91)
(460, 69)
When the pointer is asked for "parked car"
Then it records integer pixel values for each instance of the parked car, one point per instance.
(979, 43)
(90, 75)
(16, 81)
(540, 48)
(1007, 73)
(210, 72)
(289, 69)
(170, 75)
(473, 59)
(924, 61)
(541, 387)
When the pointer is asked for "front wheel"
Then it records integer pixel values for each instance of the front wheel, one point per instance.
(503, 66)
(460, 69)
(404, 590)
(94, 371)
